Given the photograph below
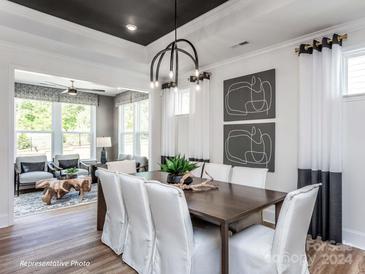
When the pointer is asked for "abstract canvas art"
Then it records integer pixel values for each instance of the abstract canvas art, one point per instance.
(250, 145)
(250, 97)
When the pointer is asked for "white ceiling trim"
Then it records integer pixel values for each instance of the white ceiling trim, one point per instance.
(49, 20)
(346, 27)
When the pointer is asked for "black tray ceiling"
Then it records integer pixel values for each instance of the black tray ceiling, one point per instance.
(154, 18)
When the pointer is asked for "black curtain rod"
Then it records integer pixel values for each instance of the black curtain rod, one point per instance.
(307, 48)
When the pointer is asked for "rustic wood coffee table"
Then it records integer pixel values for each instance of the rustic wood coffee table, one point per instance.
(59, 187)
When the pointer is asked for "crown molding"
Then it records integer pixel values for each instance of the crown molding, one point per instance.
(49, 20)
(348, 27)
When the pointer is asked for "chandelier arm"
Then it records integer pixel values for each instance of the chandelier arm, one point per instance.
(172, 56)
(194, 50)
(177, 66)
(160, 60)
(188, 54)
(153, 61)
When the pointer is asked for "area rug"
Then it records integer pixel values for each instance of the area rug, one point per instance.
(31, 203)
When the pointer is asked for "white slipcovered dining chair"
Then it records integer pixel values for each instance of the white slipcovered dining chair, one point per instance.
(140, 236)
(255, 177)
(125, 166)
(262, 250)
(219, 172)
(114, 231)
(179, 248)
(199, 170)
(248, 176)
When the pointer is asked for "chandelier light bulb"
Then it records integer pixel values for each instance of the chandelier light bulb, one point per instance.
(197, 73)
(156, 84)
(197, 87)
(171, 74)
(175, 89)
(152, 85)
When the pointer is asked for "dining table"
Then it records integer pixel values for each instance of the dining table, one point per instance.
(223, 206)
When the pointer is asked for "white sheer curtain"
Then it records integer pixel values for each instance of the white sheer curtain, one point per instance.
(199, 122)
(168, 140)
(320, 133)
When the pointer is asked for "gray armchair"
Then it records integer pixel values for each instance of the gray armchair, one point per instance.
(29, 170)
(63, 162)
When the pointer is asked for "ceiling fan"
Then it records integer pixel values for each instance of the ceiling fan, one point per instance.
(71, 90)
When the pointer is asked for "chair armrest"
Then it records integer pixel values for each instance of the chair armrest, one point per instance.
(142, 168)
(16, 169)
(84, 165)
(53, 166)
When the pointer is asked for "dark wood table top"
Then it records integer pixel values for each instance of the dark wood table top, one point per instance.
(228, 203)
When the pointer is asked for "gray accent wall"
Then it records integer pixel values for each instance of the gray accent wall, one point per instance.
(105, 116)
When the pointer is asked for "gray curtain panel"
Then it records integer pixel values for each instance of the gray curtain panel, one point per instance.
(327, 216)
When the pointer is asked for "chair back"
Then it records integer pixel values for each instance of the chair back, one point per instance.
(65, 157)
(31, 159)
(248, 176)
(219, 172)
(199, 170)
(122, 157)
(112, 193)
(140, 237)
(115, 218)
(126, 166)
(288, 249)
(174, 231)
(142, 161)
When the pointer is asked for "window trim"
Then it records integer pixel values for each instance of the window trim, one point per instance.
(136, 133)
(346, 55)
(57, 131)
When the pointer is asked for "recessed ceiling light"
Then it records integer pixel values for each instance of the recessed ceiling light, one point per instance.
(131, 27)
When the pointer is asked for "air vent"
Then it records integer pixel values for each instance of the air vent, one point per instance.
(240, 44)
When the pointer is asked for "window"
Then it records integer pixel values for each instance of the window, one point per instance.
(182, 98)
(33, 127)
(54, 128)
(356, 74)
(133, 128)
(76, 130)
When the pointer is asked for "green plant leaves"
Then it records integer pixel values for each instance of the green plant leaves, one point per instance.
(178, 165)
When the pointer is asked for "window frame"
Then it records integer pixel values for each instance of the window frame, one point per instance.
(90, 133)
(57, 130)
(178, 104)
(345, 59)
(136, 132)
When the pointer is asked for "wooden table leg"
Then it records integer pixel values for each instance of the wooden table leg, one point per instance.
(101, 208)
(225, 247)
(277, 211)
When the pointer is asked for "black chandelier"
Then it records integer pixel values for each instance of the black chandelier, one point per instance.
(174, 60)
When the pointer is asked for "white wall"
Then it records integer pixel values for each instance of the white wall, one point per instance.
(353, 174)
(286, 64)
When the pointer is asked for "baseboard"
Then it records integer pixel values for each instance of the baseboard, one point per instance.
(4, 221)
(353, 238)
(268, 215)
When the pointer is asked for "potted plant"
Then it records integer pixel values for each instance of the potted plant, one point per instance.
(71, 173)
(177, 167)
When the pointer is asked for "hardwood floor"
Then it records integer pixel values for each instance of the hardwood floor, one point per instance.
(70, 234)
